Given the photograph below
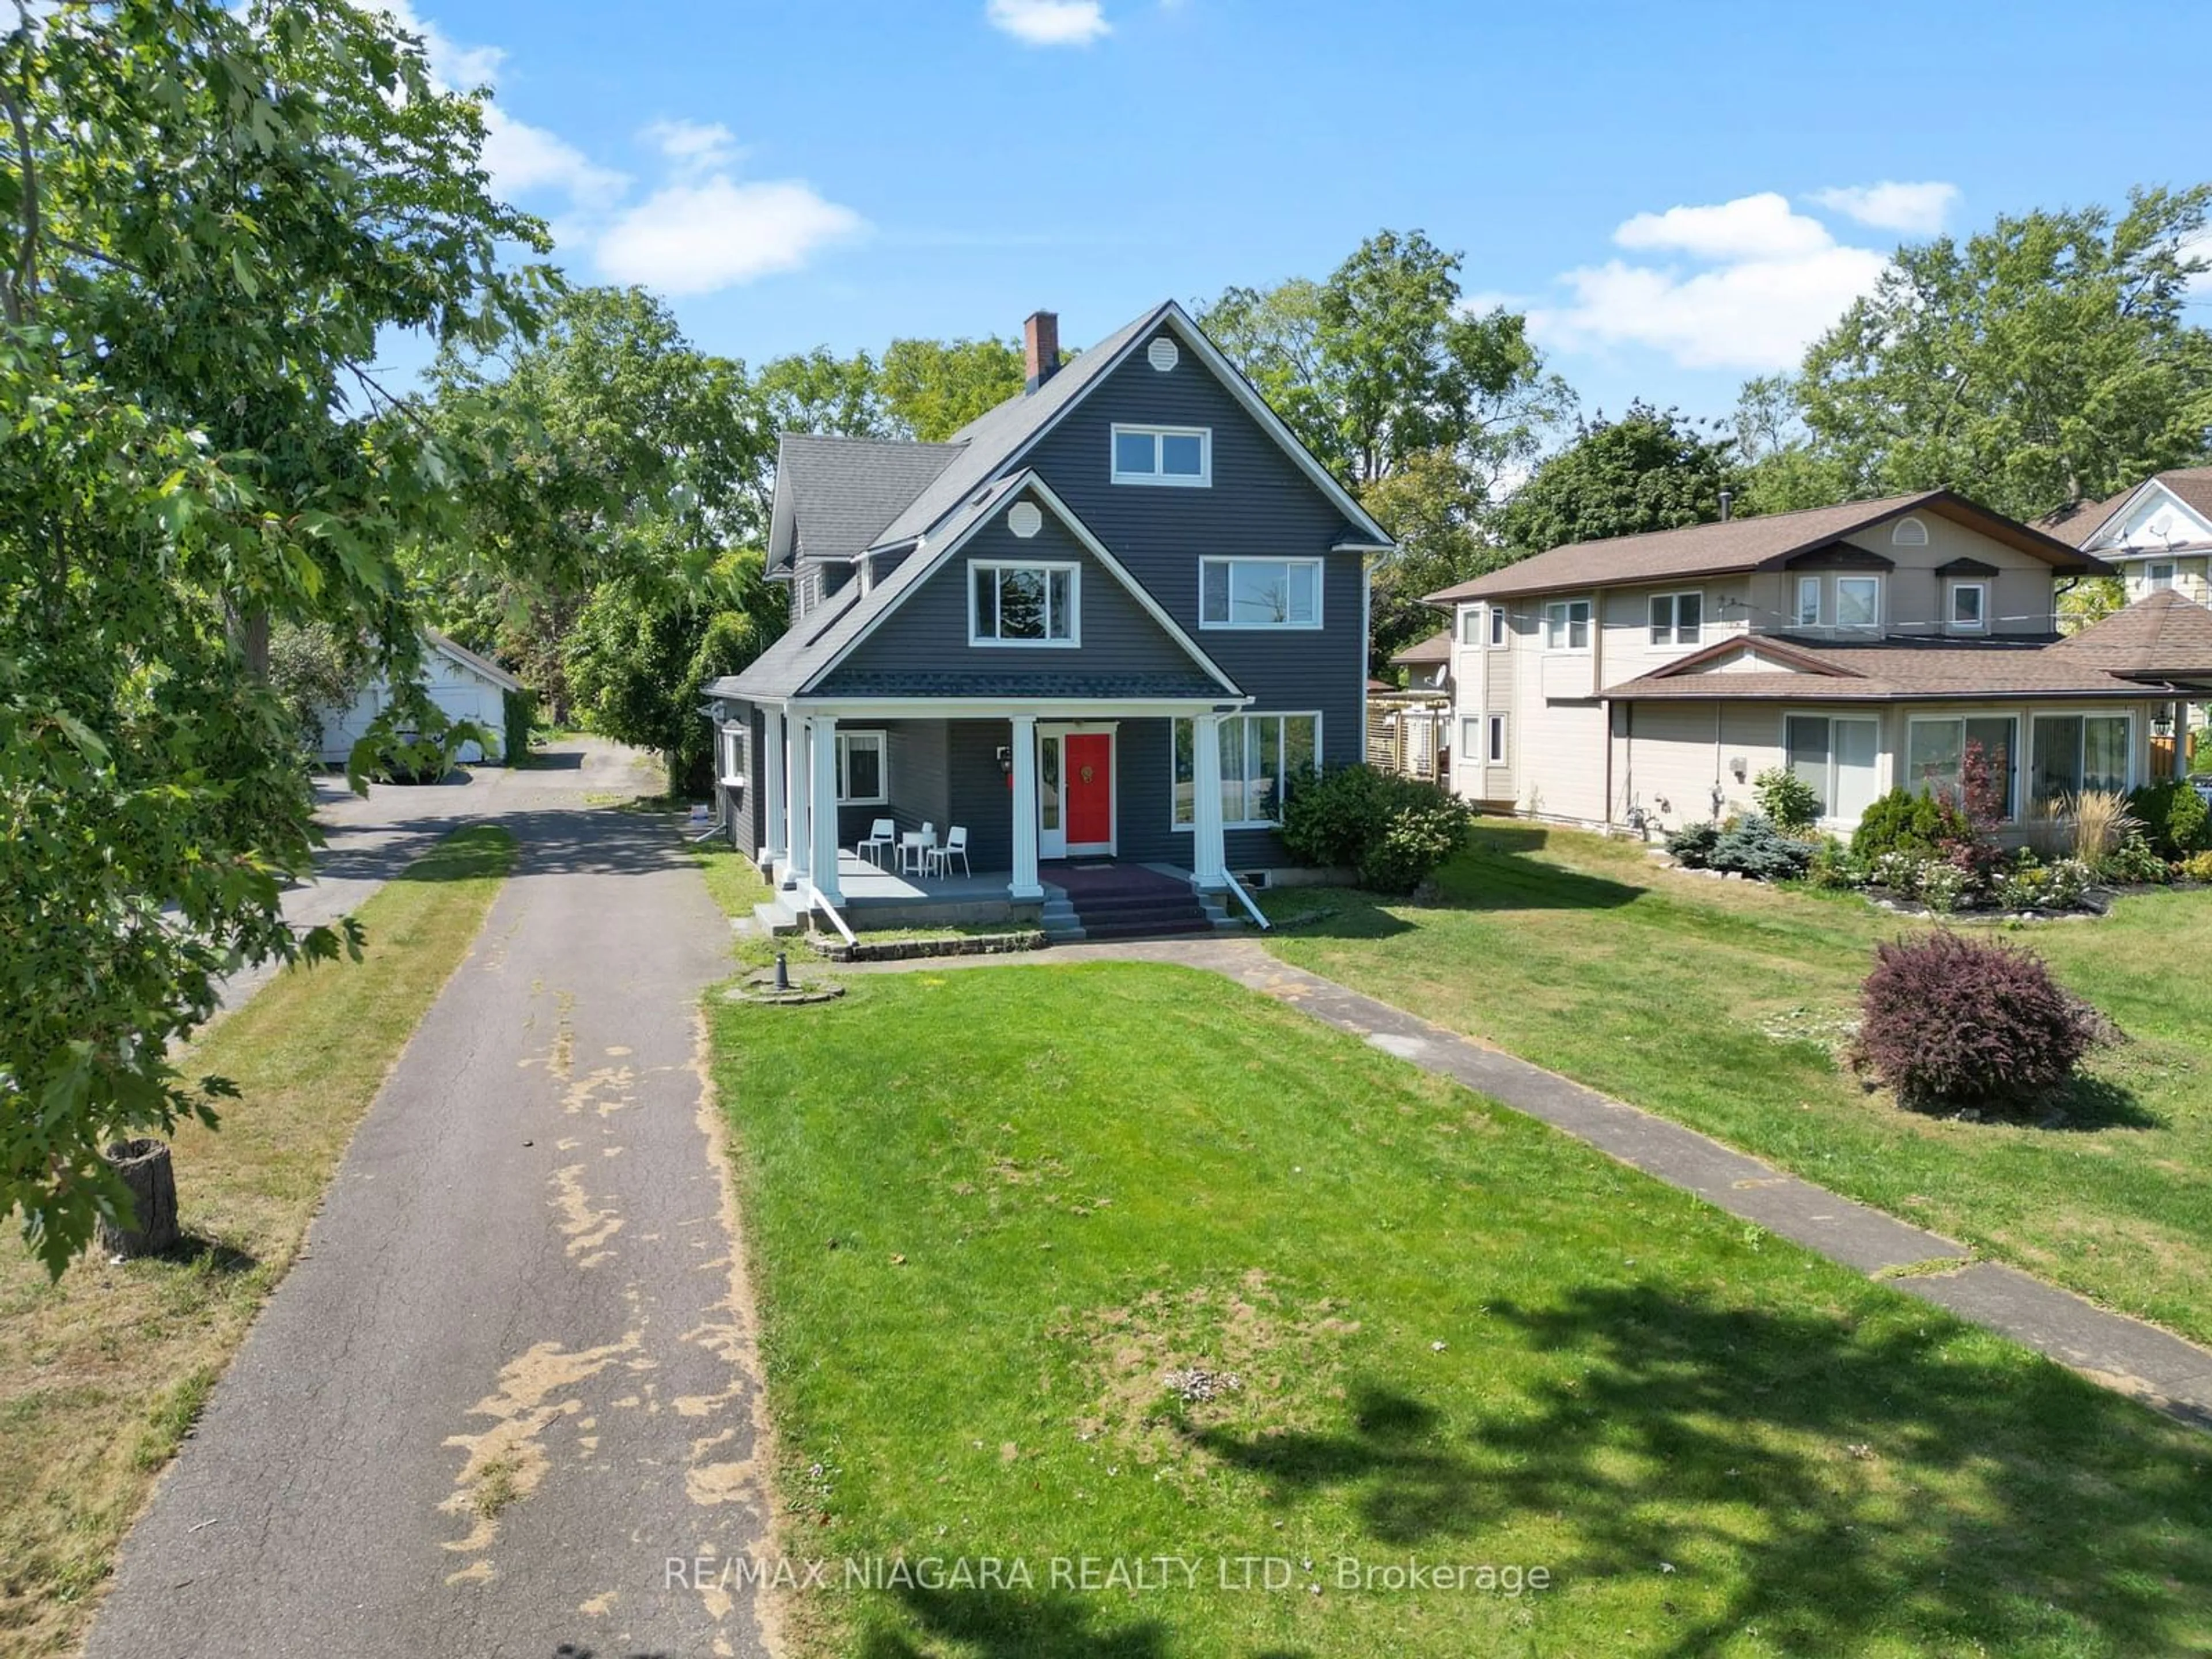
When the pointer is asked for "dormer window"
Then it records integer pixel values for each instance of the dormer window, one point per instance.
(1180, 455)
(1970, 607)
(1859, 604)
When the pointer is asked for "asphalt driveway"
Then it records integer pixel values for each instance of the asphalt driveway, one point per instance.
(512, 1378)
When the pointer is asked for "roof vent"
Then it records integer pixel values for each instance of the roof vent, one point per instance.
(1163, 355)
(1910, 532)
(1727, 500)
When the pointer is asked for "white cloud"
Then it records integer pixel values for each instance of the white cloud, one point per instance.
(523, 159)
(693, 238)
(1050, 22)
(695, 146)
(1912, 210)
(1908, 209)
(1760, 227)
(1756, 285)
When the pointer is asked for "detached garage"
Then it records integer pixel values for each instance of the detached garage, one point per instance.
(465, 686)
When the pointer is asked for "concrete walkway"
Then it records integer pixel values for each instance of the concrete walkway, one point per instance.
(2152, 1365)
(513, 1376)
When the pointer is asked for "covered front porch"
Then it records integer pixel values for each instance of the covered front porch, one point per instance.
(849, 795)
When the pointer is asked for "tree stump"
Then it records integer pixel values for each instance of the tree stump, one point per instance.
(146, 1171)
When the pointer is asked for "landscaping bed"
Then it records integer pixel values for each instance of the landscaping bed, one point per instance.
(1123, 1264)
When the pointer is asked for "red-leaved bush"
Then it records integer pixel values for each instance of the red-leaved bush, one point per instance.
(1949, 1020)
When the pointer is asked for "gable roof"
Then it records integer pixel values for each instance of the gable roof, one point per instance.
(2084, 521)
(821, 640)
(844, 490)
(1874, 671)
(2162, 634)
(467, 659)
(1743, 545)
(1437, 648)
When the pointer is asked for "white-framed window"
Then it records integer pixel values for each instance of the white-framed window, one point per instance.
(863, 780)
(2074, 752)
(1859, 604)
(1494, 745)
(1567, 625)
(1840, 756)
(1677, 618)
(1808, 614)
(1259, 753)
(1498, 634)
(1259, 592)
(1470, 625)
(1935, 755)
(2158, 575)
(1011, 604)
(1969, 611)
(1470, 737)
(734, 755)
(1162, 455)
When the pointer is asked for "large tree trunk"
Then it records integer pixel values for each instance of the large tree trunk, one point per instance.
(146, 1171)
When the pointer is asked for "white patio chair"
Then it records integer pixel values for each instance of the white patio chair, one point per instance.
(956, 846)
(883, 835)
(917, 845)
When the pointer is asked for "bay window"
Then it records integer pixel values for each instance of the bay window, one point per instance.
(1260, 755)
(1259, 592)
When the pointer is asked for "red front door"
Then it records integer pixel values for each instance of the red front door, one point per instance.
(1090, 764)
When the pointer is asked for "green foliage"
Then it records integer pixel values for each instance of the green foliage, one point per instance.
(317, 670)
(641, 651)
(2031, 886)
(1755, 848)
(517, 715)
(818, 392)
(2197, 866)
(2050, 359)
(1419, 408)
(1786, 797)
(1393, 831)
(2173, 817)
(1949, 1021)
(1692, 846)
(208, 218)
(1905, 820)
(1651, 469)
(2134, 862)
(1834, 866)
(934, 387)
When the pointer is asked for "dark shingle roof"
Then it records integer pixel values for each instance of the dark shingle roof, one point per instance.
(2161, 634)
(1882, 670)
(844, 490)
(1738, 544)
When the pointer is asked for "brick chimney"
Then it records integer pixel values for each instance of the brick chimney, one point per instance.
(1040, 344)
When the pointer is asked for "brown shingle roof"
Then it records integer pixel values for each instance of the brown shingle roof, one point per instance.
(1437, 648)
(2162, 634)
(1712, 549)
(1882, 671)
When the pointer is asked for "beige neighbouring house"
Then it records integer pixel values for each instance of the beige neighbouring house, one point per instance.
(1646, 681)
(2157, 535)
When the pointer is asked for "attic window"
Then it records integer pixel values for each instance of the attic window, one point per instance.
(1163, 355)
(1163, 455)
(1910, 532)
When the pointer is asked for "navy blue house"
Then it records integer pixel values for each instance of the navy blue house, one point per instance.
(1111, 619)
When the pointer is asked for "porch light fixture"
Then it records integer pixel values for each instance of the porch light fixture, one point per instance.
(2161, 723)
(1006, 762)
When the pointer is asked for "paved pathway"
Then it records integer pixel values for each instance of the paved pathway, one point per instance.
(2159, 1369)
(512, 1375)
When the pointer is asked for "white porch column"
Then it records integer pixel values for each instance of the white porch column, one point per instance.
(1208, 861)
(1024, 885)
(767, 776)
(797, 844)
(823, 759)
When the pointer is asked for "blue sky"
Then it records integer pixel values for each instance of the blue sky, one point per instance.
(1679, 196)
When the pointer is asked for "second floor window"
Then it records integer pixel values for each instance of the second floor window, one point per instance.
(1567, 625)
(1497, 624)
(1163, 455)
(1677, 618)
(1858, 603)
(2158, 575)
(1259, 592)
(1970, 607)
(1023, 605)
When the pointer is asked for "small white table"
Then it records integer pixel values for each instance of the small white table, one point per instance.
(914, 850)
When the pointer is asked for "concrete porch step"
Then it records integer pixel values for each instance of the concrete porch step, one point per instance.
(778, 919)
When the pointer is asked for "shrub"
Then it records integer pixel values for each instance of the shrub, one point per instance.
(2099, 822)
(1393, 831)
(519, 710)
(1899, 872)
(1835, 867)
(2133, 860)
(1944, 887)
(1904, 820)
(2043, 887)
(1786, 797)
(1753, 846)
(1947, 1020)
(2197, 866)
(1692, 846)
(2173, 817)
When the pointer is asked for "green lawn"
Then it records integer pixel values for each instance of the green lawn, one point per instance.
(103, 1372)
(990, 1211)
(1718, 1003)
